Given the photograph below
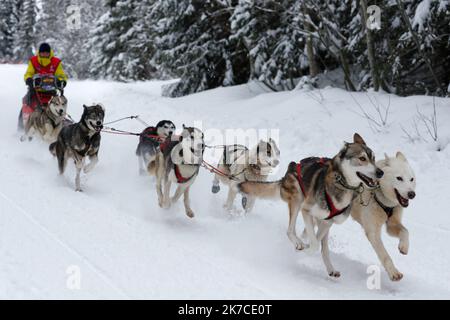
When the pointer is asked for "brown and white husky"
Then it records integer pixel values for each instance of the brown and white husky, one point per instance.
(323, 189)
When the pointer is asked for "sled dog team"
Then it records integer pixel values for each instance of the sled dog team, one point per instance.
(324, 190)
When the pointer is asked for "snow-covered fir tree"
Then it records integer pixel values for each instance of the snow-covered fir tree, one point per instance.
(270, 32)
(8, 23)
(119, 44)
(65, 24)
(211, 43)
(192, 38)
(420, 52)
(81, 16)
(24, 33)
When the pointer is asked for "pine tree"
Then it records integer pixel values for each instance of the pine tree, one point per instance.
(76, 54)
(24, 35)
(8, 22)
(65, 25)
(120, 44)
(6, 32)
(271, 34)
(193, 41)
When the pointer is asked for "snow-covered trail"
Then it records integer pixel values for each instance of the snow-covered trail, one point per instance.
(125, 246)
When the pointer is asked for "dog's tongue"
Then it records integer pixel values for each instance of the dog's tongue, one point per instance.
(405, 202)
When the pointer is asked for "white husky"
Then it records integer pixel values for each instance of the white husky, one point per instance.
(397, 187)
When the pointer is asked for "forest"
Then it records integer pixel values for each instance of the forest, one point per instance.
(397, 46)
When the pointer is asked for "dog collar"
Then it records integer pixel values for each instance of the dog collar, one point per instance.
(341, 180)
(388, 210)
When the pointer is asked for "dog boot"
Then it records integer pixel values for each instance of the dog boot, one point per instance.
(244, 202)
(215, 188)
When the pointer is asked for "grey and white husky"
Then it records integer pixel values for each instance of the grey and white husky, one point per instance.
(149, 145)
(47, 122)
(80, 140)
(179, 163)
(323, 189)
(385, 206)
(239, 164)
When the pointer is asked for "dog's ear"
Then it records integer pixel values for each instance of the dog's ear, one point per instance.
(343, 151)
(400, 156)
(386, 159)
(101, 106)
(85, 106)
(184, 127)
(358, 139)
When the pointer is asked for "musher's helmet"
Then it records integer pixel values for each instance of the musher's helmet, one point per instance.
(45, 47)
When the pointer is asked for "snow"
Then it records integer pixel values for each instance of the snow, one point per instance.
(125, 246)
(421, 15)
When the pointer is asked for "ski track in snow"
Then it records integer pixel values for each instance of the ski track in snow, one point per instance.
(127, 247)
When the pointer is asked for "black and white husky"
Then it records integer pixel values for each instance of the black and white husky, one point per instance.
(179, 163)
(239, 164)
(80, 140)
(149, 145)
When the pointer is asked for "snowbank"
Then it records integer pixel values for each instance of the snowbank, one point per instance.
(125, 246)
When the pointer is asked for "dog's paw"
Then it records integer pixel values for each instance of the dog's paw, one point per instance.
(215, 189)
(395, 275)
(403, 247)
(88, 168)
(166, 204)
(244, 202)
(190, 213)
(299, 245)
(314, 246)
(334, 274)
(78, 190)
(23, 138)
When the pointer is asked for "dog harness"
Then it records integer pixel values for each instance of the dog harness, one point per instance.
(180, 178)
(388, 210)
(331, 207)
(151, 133)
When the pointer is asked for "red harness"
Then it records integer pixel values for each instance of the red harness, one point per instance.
(331, 207)
(150, 133)
(180, 178)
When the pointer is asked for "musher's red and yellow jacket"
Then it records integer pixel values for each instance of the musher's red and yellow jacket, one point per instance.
(51, 65)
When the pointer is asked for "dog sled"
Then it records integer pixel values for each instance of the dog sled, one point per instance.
(44, 87)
